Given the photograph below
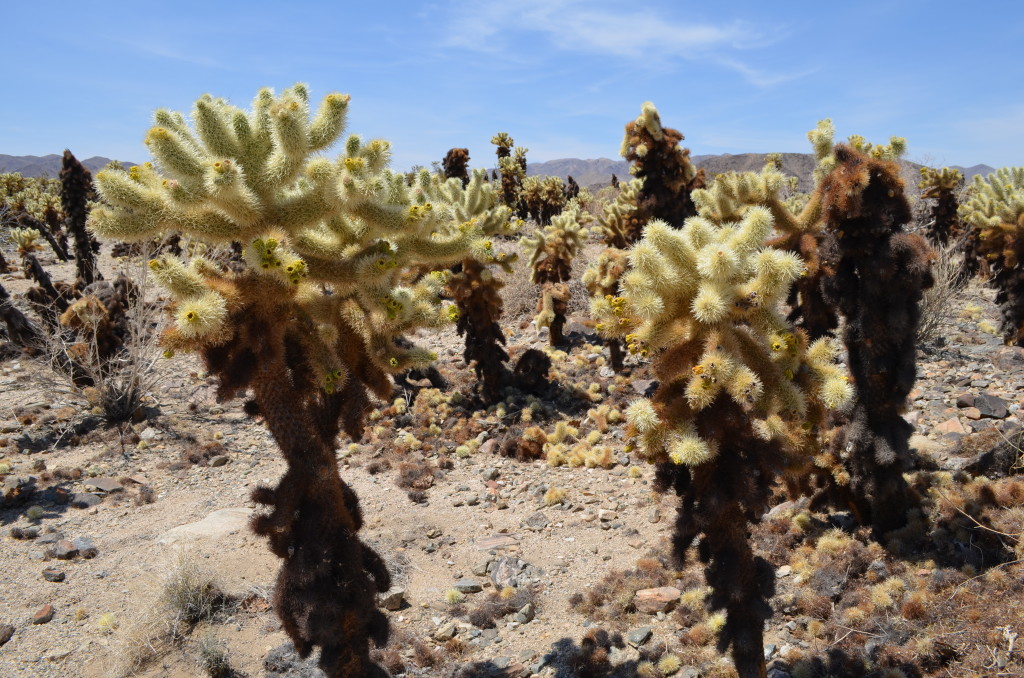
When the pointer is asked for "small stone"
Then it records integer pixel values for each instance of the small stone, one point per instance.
(965, 400)
(604, 515)
(652, 601)
(83, 500)
(468, 586)
(972, 413)
(639, 636)
(102, 485)
(644, 387)
(218, 460)
(785, 571)
(525, 614)
(497, 541)
(62, 550)
(392, 599)
(482, 568)
(505, 572)
(44, 615)
(50, 538)
(85, 547)
(990, 406)
(537, 521)
(149, 433)
(951, 426)
(489, 447)
(53, 574)
(769, 651)
(6, 631)
(491, 473)
(446, 631)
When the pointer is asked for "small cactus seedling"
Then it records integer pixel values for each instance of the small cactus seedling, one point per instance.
(668, 174)
(995, 211)
(875, 276)
(309, 322)
(456, 165)
(742, 395)
(553, 249)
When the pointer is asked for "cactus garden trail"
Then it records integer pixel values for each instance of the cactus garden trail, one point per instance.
(96, 519)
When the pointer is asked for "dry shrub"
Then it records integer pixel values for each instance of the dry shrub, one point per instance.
(612, 597)
(938, 310)
(497, 604)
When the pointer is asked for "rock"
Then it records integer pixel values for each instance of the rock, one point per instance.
(392, 599)
(43, 615)
(537, 521)
(497, 541)
(482, 568)
(17, 490)
(972, 413)
(50, 538)
(525, 614)
(639, 636)
(652, 601)
(85, 547)
(489, 447)
(103, 485)
(53, 574)
(604, 515)
(644, 387)
(505, 572)
(217, 525)
(84, 500)
(491, 473)
(446, 631)
(6, 631)
(965, 400)
(951, 426)
(149, 434)
(654, 516)
(218, 460)
(284, 662)
(62, 550)
(468, 586)
(1008, 358)
(990, 406)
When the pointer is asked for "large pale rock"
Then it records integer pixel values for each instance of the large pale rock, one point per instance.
(652, 601)
(214, 526)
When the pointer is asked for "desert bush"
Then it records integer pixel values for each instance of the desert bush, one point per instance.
(938, 308)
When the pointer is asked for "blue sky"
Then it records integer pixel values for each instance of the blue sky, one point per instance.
(561, 76)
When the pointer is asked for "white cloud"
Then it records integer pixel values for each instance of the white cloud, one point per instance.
(634, 34)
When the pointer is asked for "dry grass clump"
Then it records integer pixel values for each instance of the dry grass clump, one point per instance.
(188, 596)
(611, 598)
(497, 604)
(937, 305)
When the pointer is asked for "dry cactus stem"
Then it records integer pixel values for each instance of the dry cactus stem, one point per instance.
(742, 396)
(995, 211)
(942, 186)
(456, 165)
(309, 321)
(553, 249)
(76, 188)
(875, 275)
(668, 174)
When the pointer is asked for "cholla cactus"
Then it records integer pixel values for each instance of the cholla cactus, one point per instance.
(553, 249)
(620, 224)
(542, 197)
(741, 395)
(797, 230)
(942, 185)
(995, 210)
(668, 174)
(75, 192)
(308, 323)
(455, 165)
(876, 274)
(35, 203)
(602, 282)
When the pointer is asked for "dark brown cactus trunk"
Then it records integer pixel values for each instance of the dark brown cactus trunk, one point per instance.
(76, 188)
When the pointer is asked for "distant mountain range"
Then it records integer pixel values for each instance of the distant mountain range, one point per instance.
(593, 173)
(47, 165)
(598, 173)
